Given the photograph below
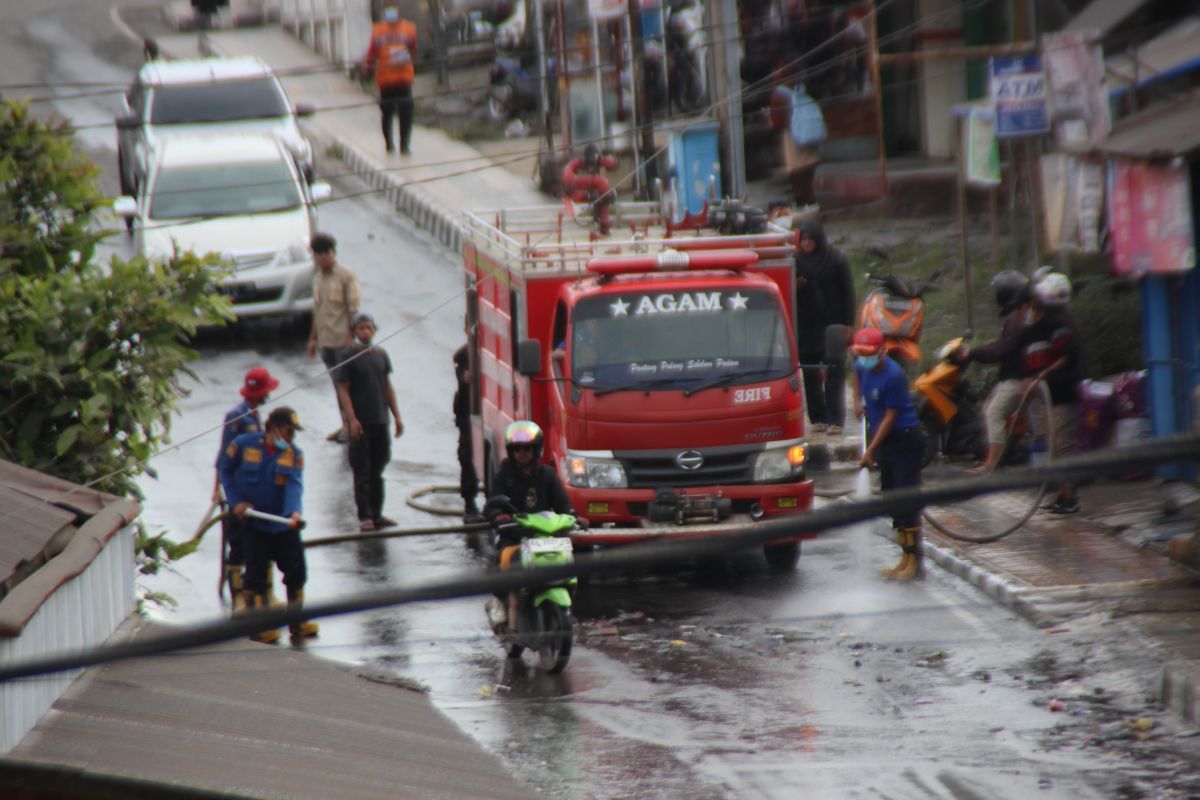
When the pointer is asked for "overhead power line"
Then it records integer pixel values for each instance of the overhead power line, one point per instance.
(630, 557)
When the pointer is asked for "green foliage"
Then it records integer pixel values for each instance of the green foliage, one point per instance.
(48, 196)
(90, 354)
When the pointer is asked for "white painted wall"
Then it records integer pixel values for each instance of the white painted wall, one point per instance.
(942, 83)
(83, 613)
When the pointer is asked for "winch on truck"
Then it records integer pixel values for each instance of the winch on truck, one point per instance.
(662, 369)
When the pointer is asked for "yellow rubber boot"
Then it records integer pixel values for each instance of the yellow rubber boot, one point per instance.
(890, 572)
(233, 576)
(303, 629)
(258, 602)
(912, 550)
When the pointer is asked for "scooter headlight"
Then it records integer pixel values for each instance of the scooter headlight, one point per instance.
(782, 462)
(595, 472)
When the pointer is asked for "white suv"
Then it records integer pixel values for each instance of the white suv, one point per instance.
(242, 196)
(189, 97)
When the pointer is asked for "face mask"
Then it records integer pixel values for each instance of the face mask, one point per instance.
(391, 14)
(280, 444)
(868, 362)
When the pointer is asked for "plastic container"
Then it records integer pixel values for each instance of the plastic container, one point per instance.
(1097, 412)
(1129, 395)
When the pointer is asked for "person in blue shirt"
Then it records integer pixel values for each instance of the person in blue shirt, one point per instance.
(242, 418)
(264, 471)
(894, 439)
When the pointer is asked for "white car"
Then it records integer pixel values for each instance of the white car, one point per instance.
(198, 96)
(242, 196)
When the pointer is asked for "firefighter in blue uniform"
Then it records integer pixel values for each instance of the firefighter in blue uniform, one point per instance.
(242, 418)
(264, 470)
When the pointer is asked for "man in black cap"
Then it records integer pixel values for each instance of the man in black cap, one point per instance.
(366, 395)
(264, 471)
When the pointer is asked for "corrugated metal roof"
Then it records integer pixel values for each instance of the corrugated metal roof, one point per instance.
(263, 721)
(1174, 52)
(41, 544)
(1162, 132)
(34, 507)
(1103, 15)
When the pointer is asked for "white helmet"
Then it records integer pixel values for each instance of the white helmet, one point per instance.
(1052, 289)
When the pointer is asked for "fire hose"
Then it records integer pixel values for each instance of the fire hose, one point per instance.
(210, 520)
(1044, 394)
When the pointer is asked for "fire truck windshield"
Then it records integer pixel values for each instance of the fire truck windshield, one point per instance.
(674, 339)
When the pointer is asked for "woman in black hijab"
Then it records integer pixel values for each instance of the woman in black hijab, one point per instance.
(824, 296)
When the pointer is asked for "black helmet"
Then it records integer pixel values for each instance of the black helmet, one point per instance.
(1011, 288)
(591, 157)
(524, 431)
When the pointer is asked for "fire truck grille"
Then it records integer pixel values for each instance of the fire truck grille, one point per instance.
(660, 468)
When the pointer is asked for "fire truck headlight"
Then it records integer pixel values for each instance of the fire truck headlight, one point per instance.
(593, 472)
(780, 463)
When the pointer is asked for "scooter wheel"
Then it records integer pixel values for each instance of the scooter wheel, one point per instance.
(558, 632)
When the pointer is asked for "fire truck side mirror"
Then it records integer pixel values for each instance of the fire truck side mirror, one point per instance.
(529, 357)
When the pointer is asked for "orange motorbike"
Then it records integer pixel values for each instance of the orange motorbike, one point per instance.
(896, 307)
(948, 412)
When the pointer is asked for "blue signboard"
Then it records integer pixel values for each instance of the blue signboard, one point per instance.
(1018, 90)
(695, 166)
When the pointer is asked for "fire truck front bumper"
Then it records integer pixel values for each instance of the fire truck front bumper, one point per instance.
(624, 516)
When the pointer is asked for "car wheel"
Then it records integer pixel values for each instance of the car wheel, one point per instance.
(782, 557)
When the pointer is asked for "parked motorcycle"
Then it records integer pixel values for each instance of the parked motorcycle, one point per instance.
(896, 306)
(948, 412)
(513, 90)
(539, 617)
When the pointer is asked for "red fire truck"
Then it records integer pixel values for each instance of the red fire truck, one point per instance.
(662, 368)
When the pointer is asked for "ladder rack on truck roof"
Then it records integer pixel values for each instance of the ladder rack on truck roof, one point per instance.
(541, 240)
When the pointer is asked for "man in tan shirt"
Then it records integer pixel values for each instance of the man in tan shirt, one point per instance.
(336, 299)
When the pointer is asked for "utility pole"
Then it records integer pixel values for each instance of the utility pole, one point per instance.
(643, 113)
(727, 91)
(438, 29)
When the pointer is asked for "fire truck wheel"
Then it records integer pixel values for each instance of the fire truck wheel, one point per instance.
(782, 557)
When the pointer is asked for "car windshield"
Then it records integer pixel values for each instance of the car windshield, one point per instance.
(256, 187)
(218, 101)
(674, 340)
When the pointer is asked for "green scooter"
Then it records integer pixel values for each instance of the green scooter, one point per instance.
(539, 617)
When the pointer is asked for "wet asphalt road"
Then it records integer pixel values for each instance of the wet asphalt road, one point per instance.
(719, 681)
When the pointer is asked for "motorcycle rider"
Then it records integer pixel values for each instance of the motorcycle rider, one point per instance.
(530, 486)
(1013, 296)
(1052, 352)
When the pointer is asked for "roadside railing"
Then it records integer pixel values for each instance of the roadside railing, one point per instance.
(321, 24)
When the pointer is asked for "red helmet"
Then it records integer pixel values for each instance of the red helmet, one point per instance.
(867, 342)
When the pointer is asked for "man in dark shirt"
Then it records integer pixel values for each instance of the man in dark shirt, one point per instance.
(366, 395)
(1013, 297)
(468, 481)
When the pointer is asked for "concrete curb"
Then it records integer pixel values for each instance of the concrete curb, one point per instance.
(425, 212)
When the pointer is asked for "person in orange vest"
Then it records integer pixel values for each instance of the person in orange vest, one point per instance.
(390, 55)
